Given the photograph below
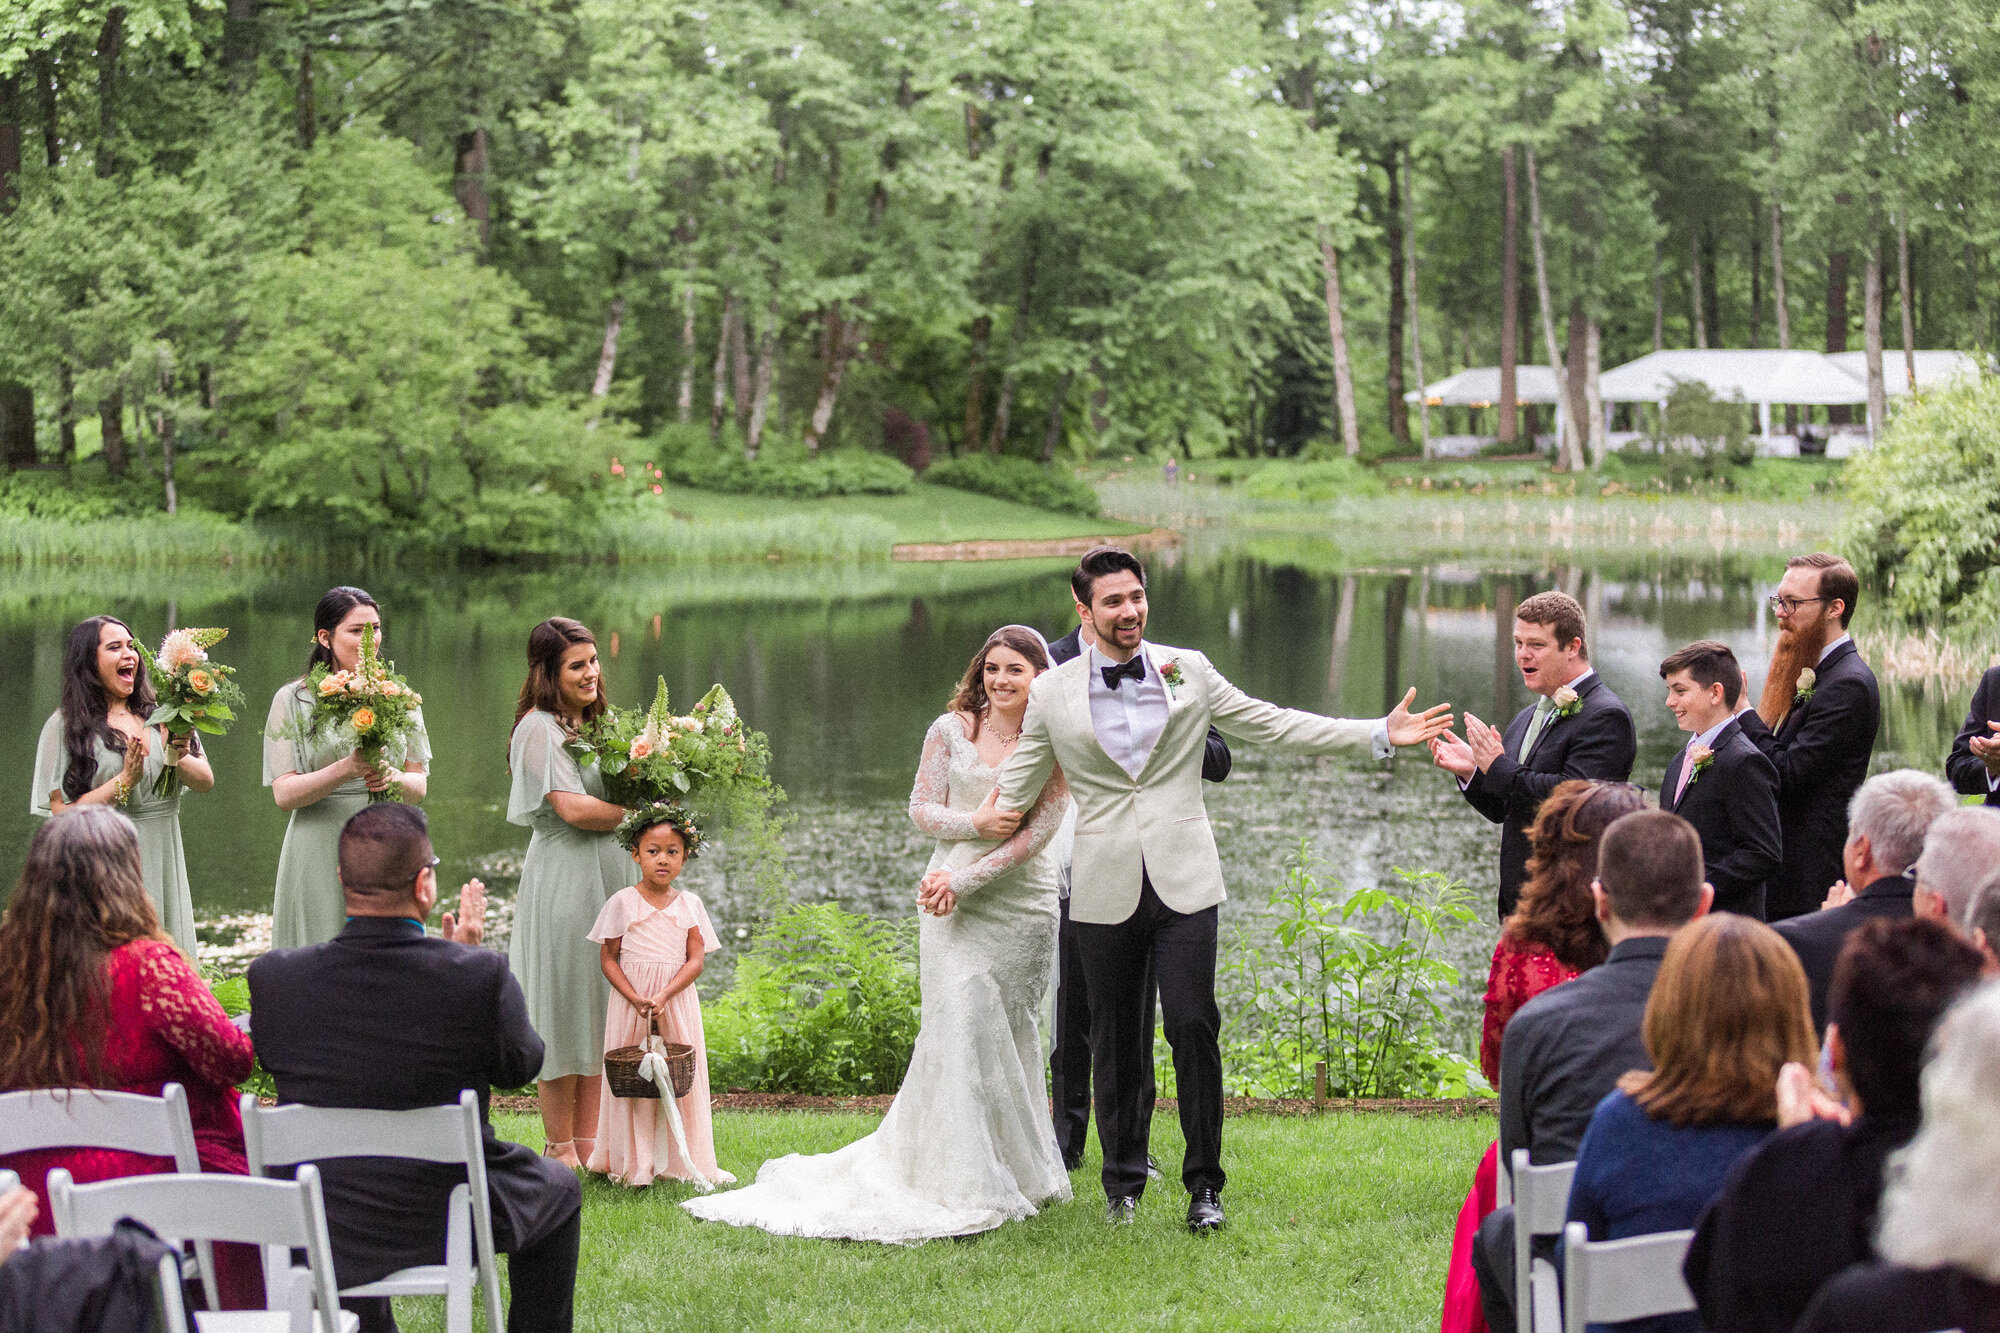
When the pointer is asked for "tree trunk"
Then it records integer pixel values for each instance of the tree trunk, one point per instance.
(843, 337)
(1416, 300)
(607, 356)
(17, 399)
(1908, 304)
(469, 183)
(303, 104)
(111, 420)
(739, 366)
(17, 425)
(1576, 402)
(1871, 333)
(1100, 397)
(1836, 324)
(1010, 381)
(1399, 412)
(239, 44)
(1510, 298)
(684, 402)
(45, 89)
(1343, 368)
(1052, 430)
(163, 426)
(66, 412)
(11, 118)
(975, 386)
(1779, 307)
(1756, 282)
(760, 393)
(1565, 438)
(1711, 291)
(1695, 288)
(1593, 396)
(110, 41)
(720, 379)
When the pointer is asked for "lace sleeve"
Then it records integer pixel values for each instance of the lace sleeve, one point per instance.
(930, 808)
(176, 1004)
(1035, 833)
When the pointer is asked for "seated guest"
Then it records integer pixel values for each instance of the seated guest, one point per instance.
(1940, 1229)
(1886, 824)
(93, 994)
(1728, 1012)
(1568, 1047)
(1961, 856)
(1721, 783)
(386, 1017)
(1982, 922)
(1802, 1206)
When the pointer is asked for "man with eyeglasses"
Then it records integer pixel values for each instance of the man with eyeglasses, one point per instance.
(1817, 722)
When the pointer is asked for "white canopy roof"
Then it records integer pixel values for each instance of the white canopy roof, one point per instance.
(1479, 386)
(1758, 375)
(1932, 367)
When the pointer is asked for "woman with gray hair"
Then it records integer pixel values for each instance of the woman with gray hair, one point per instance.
(1941, 1208)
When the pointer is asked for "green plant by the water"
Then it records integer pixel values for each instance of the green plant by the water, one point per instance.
(1050, 486)
(1370, 1003)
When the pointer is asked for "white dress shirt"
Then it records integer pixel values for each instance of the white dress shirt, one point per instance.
(1831, 646)
(1706, 740)
(1129, 719)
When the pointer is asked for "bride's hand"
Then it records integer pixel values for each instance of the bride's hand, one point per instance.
(934, 893)
(993, 823)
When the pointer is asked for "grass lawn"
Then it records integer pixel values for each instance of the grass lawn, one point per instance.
(924, 514)
(1339, 1222)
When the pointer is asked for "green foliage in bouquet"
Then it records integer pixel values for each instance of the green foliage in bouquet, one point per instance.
(192, 692)
(372, 702)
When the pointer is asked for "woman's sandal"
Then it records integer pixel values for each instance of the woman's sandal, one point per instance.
(563, 1152)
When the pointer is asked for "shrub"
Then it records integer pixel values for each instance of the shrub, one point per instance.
(843, 472)
(1044, 485)
(1925, 530)
(1314, 482)
(824, 1002)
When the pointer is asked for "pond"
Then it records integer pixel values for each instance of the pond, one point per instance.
(845, 667)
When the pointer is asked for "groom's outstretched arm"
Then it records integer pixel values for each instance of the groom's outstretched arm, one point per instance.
(1246, 718)
(1028, 768)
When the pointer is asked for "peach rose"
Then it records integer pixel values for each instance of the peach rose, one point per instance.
(200, 682)
(363, 718)
(390, 689)
(329, 686)
(641, 748)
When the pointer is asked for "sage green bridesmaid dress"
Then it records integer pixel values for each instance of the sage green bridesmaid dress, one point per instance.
(308, 907)
(157, 818)
(566, 878)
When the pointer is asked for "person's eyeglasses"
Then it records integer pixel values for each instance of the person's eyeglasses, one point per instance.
(1790, 605)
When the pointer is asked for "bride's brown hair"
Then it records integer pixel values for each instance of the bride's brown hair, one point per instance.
(970, 698)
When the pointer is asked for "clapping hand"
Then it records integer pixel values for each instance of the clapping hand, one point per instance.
(934, 893)
(1454, 756)
(1987, 748)
(17, 1214)
(468, 924)
(992, 822)
(1801, 1098)
(1486, 743)
(136, 749)
(1407, 728)
(1838, 896)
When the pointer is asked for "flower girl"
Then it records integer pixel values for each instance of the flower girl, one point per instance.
(651, 941)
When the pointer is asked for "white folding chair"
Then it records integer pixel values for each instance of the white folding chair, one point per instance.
(159, 1126)
(278, 1215)
(1541, 1203)
(280, 1136)
(1608, 1281)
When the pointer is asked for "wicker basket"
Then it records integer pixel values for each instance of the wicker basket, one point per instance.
(621, 1068)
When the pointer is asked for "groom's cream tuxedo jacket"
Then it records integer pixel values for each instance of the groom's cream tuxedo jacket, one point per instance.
(1157, 819)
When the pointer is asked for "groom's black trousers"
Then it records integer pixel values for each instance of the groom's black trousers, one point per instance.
(1069, 1060)
(1179, 949)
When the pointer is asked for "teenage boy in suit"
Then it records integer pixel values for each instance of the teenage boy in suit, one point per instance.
(1721, 783)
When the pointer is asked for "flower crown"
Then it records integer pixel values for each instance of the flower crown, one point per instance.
(633, 827)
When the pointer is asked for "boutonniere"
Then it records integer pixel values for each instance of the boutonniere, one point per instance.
(1170, 672)
(1699, 758)
(1568, 703)
(1808, 678)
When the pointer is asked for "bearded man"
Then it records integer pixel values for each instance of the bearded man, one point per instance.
(1817, 723)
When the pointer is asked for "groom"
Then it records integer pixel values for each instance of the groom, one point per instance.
(1128, 721)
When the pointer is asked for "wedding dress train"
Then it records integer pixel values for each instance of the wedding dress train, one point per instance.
(968, 1144)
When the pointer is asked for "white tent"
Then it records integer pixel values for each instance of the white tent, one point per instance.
(1479, 386)
(1758, 376)
(1933, 368)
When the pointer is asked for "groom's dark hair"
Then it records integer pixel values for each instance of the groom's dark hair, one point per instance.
(1099, 561)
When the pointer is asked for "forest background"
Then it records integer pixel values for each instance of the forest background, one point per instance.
(430, 264)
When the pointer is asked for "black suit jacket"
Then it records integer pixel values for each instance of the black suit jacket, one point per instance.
(1733, 805)
(1566, 1049)
(1816, 937)
(384, 1017)
(1967, 772)
(1216, 761)
(1596, 742)
(1821, 750)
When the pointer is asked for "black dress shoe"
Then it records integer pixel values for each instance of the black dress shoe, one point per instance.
(1153, 1171)
(1205, 1212)
(1121, 1211)
(1072, 1161)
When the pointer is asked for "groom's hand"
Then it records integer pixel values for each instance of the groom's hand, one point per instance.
(994, 823)
(1407, 728)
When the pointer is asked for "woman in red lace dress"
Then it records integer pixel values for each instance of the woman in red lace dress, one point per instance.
(1552, 936)
(93, 994)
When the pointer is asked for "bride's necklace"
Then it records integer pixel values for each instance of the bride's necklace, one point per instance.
(1004, 740)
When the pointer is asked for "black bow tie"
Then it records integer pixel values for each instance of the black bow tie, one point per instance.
(1134, 670)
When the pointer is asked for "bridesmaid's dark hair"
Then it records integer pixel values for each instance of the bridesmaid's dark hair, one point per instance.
(970, 697)
(86, 712)
(547, 642)
(333, 609)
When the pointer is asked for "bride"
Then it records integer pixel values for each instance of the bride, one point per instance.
(968, 1143)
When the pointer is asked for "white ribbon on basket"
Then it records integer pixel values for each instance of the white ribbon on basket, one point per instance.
(653, 1068)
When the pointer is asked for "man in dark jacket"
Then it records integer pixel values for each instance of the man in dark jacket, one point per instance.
(385, 1017)
(1577, 729)
(1974, 763)
(1721, 783)
(1887, 823)
(1817, 722)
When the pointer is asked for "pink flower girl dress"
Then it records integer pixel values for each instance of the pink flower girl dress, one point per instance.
(635, 1142)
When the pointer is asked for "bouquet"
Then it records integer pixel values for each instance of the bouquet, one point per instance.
(656, 756)
(192, 693)
(372, 701)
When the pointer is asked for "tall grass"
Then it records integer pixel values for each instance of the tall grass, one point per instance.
(663, 538)
(154, 540)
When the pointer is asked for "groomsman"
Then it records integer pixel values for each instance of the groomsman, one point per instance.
(1069, 1059)
(1577, 729)
(1817, 723)
(1974, 765)
(1721, 783)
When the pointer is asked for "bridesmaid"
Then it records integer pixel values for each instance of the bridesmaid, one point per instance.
(573, 866)
(97, 750)
(323, 781)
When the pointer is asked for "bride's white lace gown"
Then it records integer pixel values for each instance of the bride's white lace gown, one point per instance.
(968, 1143)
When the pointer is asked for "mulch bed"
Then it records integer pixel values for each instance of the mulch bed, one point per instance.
(1455, 1107)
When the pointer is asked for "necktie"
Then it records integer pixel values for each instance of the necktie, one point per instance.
(1687, 770)
(1134, 670)
(1543, 708)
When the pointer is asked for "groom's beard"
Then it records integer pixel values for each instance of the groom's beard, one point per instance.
(1796, 651)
